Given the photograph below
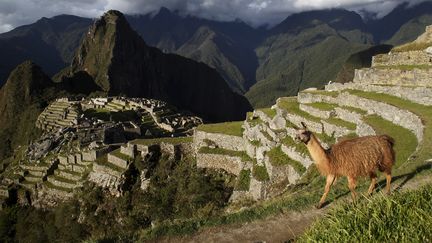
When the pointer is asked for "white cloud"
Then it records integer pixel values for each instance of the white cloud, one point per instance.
(256, 12)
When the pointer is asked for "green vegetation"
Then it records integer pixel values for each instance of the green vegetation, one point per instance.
(260, 173)
(241, 154)
(323, 106)
(279, 158)
(293, 107)
(170, 140)
(405, 67)
(227, 128)
(269, 112)
(403, 217)
(411, 47)
(243, 180)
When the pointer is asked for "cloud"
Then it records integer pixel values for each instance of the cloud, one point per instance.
(14, 13)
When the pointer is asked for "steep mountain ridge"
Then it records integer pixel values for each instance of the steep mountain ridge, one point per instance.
(120, 62)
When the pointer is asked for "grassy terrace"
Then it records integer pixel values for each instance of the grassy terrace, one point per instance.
(170, 140)
(293, 107)
(227, 128)
(411, 47)
(405, 67)
(269, 112)
(253, 122)
(240, 154)
(279, 158)
(424, 112)
(322, 92)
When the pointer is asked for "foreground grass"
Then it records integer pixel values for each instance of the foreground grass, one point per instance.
(411, 47)
(403, 217)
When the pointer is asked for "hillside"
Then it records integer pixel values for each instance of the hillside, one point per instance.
(26, 92)
(118, 61)
(93, 160)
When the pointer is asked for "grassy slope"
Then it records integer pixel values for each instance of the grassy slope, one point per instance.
(404, 217)
(227, 128)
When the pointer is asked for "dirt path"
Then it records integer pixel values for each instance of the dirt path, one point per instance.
(280, 228)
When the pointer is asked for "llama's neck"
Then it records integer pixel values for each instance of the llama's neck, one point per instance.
(318, 154)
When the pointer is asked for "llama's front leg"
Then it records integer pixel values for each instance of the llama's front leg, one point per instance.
(329, 182)
(352, 186)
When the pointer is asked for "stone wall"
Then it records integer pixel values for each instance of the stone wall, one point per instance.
(117, 161)
(221, 140)
(402, 58)
(389, 76)
(227, 163)
(420, 95)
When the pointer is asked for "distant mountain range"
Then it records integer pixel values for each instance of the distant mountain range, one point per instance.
(306, 49)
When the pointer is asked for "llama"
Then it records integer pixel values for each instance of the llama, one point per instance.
(358, 157)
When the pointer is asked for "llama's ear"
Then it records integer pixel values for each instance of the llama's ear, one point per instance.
(304, 125)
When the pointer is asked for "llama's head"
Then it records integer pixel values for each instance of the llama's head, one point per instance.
(303, 134)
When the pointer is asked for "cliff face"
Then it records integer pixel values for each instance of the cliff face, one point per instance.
(120, 62)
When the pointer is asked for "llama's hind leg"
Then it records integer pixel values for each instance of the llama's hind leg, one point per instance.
(373, 177)
(329, 182)
(352, 185)
(388, 180)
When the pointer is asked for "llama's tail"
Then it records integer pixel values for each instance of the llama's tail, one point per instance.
(391, 142)
(389, 139)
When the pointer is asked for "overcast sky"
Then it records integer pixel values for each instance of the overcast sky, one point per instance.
(14, 13)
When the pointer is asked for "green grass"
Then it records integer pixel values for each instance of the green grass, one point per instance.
(293, 107)
(253, 122)
(279, 158)
(424, 112)
(411, 47)
(405, 67)
(403, 217)
(243, 182)
(269, 112)
(353, 109)
(260, 173)
(241, 154)
(322, 106)
(322, 92)
(170, 140)
(105, 115)
(227, 128)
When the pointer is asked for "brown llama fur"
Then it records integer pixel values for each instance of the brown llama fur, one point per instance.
(353, 158)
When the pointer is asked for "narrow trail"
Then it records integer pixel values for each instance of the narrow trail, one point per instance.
(279, 228)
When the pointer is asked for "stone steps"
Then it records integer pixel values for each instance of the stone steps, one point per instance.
(33, 179)
(67, 174)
